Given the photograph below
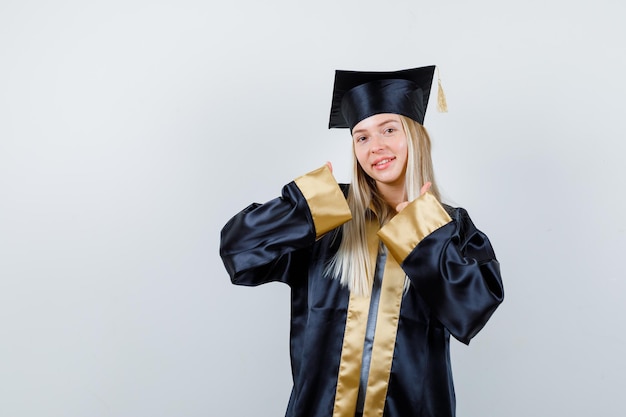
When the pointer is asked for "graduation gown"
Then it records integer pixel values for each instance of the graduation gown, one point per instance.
(455, 287)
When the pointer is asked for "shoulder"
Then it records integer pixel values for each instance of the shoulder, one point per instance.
(344, 188)
(461, 217)
(464, 228)
(456, 213)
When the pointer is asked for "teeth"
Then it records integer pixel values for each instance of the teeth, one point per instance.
(384, 161)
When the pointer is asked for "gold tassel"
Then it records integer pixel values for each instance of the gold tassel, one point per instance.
(442, 104)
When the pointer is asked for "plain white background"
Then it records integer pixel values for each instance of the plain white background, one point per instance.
(130, 131)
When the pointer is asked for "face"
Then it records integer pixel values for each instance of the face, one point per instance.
(380, 146)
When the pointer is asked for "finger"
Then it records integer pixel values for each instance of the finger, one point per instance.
(401, 206)
(329, 165)
(425, 188)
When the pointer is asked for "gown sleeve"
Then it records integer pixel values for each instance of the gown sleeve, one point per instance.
(269, 242)
(449, 261)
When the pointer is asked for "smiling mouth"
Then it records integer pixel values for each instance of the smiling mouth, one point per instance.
(383, 161)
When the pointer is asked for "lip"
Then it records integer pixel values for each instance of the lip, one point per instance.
(381, 164)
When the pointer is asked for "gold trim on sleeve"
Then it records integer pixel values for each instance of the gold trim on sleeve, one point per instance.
(327, 203)
(408, 228)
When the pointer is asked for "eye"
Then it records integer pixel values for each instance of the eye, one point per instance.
(359, 139)
(390, 130)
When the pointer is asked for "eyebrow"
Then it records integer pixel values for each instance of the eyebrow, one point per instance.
(377, 126)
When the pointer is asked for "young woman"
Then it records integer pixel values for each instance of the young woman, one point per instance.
(381, 272)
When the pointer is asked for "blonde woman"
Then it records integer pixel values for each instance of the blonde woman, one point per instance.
(381, 272)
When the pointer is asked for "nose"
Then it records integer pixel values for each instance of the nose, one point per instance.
(376, 144)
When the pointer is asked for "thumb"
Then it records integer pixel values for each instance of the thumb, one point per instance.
(401, 206)
(329, 165)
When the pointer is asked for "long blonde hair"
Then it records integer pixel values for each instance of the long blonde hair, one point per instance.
(351, 264)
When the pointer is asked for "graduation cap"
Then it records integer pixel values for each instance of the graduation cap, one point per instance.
(358, 95)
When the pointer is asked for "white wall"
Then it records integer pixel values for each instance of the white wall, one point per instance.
(130, 131)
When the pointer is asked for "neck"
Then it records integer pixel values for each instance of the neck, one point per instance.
(392, 194)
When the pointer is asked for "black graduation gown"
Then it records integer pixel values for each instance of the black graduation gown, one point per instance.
(455, 288)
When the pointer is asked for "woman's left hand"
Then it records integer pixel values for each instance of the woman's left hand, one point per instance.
(423, 191)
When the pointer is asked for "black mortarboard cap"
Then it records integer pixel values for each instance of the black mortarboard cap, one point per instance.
(358, 95)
